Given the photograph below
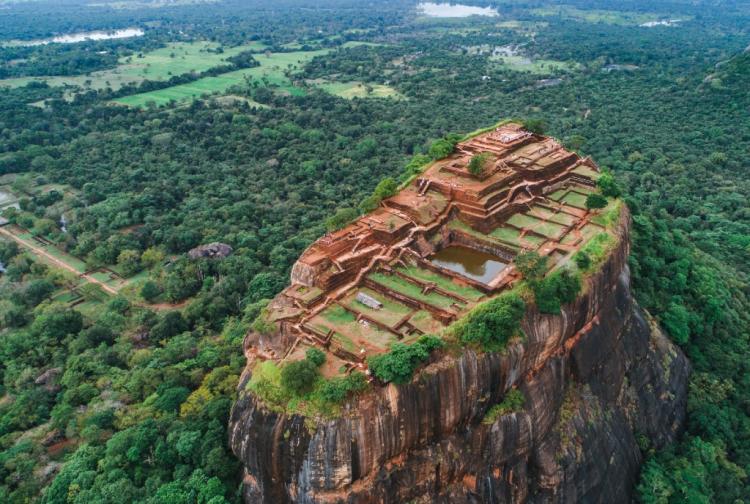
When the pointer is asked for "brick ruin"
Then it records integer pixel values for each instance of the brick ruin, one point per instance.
(375, 282)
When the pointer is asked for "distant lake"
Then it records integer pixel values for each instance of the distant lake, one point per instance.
(446, 10)
(72, 38)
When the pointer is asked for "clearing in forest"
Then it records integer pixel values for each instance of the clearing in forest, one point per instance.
(177, 58)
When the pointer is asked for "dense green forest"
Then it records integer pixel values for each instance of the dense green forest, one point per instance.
(118, 389)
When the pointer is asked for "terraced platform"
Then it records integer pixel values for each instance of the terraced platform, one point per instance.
(355, 292)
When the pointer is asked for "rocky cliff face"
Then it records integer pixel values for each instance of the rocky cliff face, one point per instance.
(600, 381)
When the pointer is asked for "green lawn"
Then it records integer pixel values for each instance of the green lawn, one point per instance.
(345, 323)
(411, 290)
(575, 199)
(177, 58)
(270, 72)
(442, 281)
(391, 313)
(508, 235)
(535, 66)
(612, 17)
(557, 195)
(358, 89)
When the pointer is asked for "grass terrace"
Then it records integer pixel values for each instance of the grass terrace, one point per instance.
(401, 286)
(446, 283)
(392, 312)
(361, 334)
(546, 228)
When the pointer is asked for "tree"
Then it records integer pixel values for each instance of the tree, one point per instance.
(316, 356)
(531, 265)
(341, 218)
(129, 261)
(152, 256)
(399, 363)
(150, 291)
(299, 377)
(441, 148)
(595, 201)
(493, 323)
(478, 163)
(608, 185)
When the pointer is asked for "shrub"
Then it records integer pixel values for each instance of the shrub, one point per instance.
(316, 356)
(594, 201)
(537, 126)
(441, 148)
(299, 377)
(415, 165)
(261, 324)
(338, 389)
(608, 185)
(583, 261)
(478, 163)
(385, 188)
(560, 287)
(512, 402)
(150, 291)
(398, 365)
(341, 218)
(493, 323)
(531, 265)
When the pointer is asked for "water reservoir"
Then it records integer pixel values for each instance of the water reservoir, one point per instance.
(474, 264)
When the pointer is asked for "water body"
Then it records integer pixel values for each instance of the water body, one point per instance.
(446, 10)
(479, 266)
(73, 38)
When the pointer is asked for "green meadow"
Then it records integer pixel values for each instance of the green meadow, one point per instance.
(160, 64)
(358, 89)
(274, 70)
(612, 17)
(270, 72)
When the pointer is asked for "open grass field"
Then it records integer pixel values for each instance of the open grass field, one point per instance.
(612, 17)
(587, 172)
(160, 64)
(358, 89)
(534, 66)
(270, 72)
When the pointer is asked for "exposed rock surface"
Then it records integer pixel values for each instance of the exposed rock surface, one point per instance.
(599, 380)
(213, 250)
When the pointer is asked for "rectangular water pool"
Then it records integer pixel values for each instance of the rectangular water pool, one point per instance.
(474, 264)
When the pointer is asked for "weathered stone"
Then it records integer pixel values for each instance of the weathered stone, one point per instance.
(595, 378)
(213, 250)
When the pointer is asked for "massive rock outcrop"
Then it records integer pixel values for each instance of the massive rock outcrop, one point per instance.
(600, 383)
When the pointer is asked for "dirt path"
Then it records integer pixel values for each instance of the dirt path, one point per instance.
(62, 264)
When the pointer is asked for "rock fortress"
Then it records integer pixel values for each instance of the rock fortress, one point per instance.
(591, 380)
